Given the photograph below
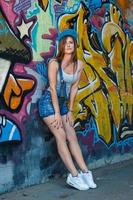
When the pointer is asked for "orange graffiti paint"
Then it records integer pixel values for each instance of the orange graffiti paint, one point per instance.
(123, 4)
(14, 91)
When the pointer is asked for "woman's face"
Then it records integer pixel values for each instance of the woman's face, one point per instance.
(69, 45)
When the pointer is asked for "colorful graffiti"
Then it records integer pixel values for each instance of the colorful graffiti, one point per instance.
(105, 91)
(104, 44)
(13, 86)
(24, 44)
(104, 102)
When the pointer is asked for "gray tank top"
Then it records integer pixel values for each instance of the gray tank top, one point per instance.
(69, 79)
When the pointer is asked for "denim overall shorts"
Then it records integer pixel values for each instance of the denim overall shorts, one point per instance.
(46, 108)
(45, 103)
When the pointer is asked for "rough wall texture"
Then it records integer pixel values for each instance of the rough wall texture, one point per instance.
(104, 103)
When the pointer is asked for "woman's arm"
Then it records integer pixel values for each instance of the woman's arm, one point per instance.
(52, 76)
(74, 87)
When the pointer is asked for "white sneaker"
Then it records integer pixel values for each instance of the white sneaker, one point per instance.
(77, 182)
(88, 179)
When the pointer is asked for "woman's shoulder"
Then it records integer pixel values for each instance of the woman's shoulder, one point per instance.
(53, 62)
(80, 64)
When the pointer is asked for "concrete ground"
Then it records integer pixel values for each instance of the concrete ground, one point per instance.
(115, 182)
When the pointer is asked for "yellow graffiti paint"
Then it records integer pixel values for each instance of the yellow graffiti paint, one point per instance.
(44, 3)
(123, 4)
(128, 79)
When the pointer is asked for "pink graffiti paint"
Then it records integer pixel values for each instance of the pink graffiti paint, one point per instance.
(51, 36)
(98, 18)
(19, 68)
(7, 8)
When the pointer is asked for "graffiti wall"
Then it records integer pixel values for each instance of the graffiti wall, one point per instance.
(104, 103)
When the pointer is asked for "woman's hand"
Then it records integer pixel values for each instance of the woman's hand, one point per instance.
(70, 118)
(57, 123)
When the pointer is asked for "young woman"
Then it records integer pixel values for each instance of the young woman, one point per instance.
(56, 114)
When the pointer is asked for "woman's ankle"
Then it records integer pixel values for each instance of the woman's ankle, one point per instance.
(74, 174)
(85, 170)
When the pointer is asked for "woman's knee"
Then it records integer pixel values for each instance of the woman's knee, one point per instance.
(61, 138)
(71, 137)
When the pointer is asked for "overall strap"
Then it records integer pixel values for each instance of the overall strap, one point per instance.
(60, 73)
(62, 82)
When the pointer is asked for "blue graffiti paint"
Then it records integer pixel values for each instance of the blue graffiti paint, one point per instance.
(42, 69)
(73, 8)
(90, 126)
(10, 132)
(33, 36)
(3, 28)
(22, 5)
(33, 12)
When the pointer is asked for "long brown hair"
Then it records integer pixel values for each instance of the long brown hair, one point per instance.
(61, 47)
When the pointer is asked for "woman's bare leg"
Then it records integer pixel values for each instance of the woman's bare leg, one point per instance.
(62, 147)
(74, 145)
